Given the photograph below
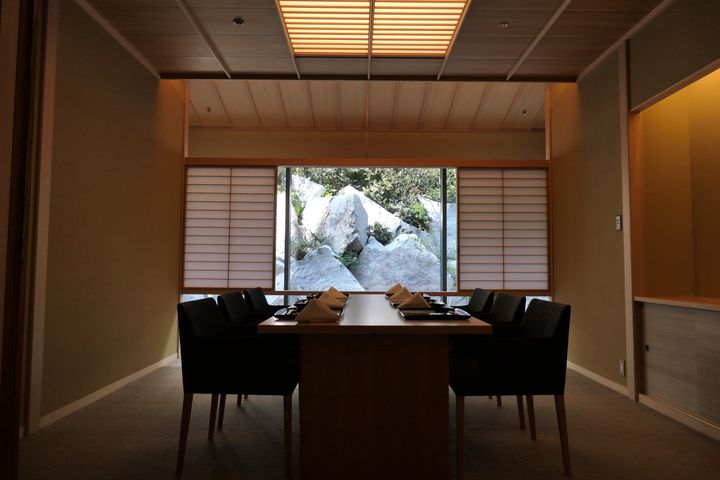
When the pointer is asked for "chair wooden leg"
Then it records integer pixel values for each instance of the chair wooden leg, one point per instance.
(521, 411)
(239, 401)
(531, 416)
(287, 407)
(499, 400)
(221, 413)
(562, 427)
(246, 396)
(459, 430)
(184, 427)
(213, 415)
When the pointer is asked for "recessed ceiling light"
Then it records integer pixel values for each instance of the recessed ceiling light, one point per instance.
(399, 28)
(239, 21)
(503, 25)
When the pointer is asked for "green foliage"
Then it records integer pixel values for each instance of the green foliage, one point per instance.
(396, 189)
(380, 233)
(349, 258)
(303, 247)
(297, 204)
(416, 215)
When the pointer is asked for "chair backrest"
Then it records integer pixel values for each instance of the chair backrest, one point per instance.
(545, 319)
(481, 300)
(507, 309)
(256, 299)
(196, 319)
(235, 309)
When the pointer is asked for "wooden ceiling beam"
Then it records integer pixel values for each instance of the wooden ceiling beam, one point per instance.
(95, 15)
(370, 37)
(205, 37)
(452, 40)
(538, 37)
(291, 52)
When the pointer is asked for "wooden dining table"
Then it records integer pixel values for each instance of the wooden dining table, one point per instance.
(374, 392)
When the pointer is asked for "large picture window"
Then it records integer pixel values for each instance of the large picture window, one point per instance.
(365, 229)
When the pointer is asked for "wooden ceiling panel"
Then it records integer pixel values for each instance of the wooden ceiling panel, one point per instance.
(522, 23)
(296, 99)
(133, 3)
(237, 4)
(332, 66)
(603, 24)
(185, 65)
(409, 104)
(614, 5)
(260, 65)
(523, 5)
(324, 95)
(526, 106)
(170, 45)
(419, 67)
(206, 100)
(381, 98)
(352, 104)
(495, 68)
(251, 45)
(534, 68)
(258, 21)
(147, 20)
(468, 99)
(498, 100)
(194, 118)
(268, 101)
(438, 102)
(477, 46)
(238, 102)
(577, 48)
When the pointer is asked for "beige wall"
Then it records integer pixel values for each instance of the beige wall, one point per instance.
(113, 261)
(587, 251)
(681, 198)
(683, 39)
(227, 142)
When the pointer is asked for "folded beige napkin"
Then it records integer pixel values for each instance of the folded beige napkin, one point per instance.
(401, 295)
(394, 288)
(416, 300)
(316, 312)
(329, 301)
(336, 293)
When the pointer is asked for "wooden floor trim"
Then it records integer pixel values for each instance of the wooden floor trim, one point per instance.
(621, 389)
(682, 416)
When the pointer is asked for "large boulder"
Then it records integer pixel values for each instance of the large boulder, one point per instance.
(404, 260)
(375, 212)
(306, 189)
(341, 221)
(434, 210)
(320, 270)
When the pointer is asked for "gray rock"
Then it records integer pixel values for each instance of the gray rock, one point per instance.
(434, 210)
(375, 212)
(405, 260)
(306, 189)
(341, 219)
(320, 270)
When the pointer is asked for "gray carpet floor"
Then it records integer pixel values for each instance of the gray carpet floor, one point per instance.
(132, 434)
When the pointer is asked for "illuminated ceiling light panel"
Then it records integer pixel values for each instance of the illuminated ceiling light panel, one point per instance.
(415, 28)
(327, 28)
(400, 28)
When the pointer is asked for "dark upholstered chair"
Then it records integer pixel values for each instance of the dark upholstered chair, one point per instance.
(529, 360)
(480, 302)
(236, 311)
(255, 298)
(506, 309)
(222, 358)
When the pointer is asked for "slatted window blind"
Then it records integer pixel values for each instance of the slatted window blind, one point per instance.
(229, 227)
(502, 229)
